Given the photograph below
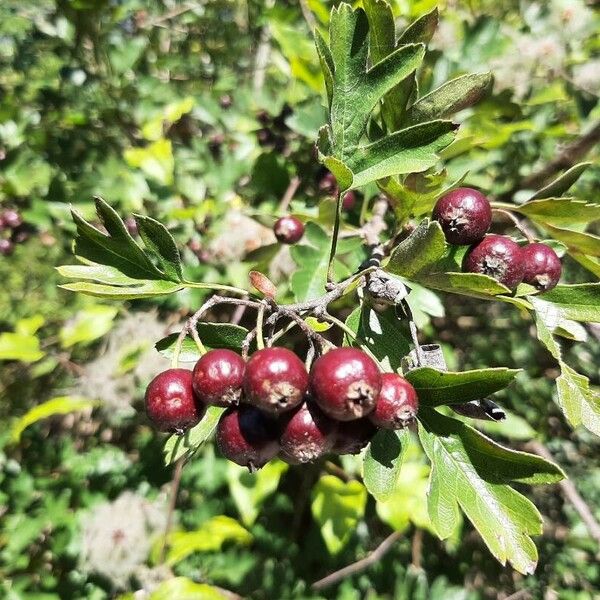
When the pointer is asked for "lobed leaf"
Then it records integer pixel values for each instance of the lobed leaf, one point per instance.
(472, 472)
(559, 211)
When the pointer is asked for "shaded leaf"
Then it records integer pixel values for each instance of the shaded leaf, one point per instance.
(449, 98)
(213, 335)
(178, 446)
(559, 211)
(579, 302)
(383, 462)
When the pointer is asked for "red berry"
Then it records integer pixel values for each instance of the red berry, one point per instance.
(345, 383)
(397, 403)
(218, 377)
(6, 247)
(352, 436)
(306, 434)
(542, 266)
(288, 229)
(171, 404)
(275, 380)
(464, 214)
(328, 184)
(247, 437)
(11, 218)
(499, 257)
(349, 201)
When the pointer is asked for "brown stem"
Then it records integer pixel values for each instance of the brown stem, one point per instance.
(564, 160)
(171, 510)
(572, 495)
(292, 188)
(359, 565)
(517, 223)
(417, 548)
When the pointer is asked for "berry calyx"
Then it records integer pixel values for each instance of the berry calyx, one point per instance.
(397, 404)
(542, 266)
(306, 434)
(499, 257)
(288, 229)
(247, 437)
(275, 380)
(171, 404)
(465, 215)
(218, 377)
(352, 436)
(345, 383)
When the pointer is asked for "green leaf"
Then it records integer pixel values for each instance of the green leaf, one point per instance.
(576, 241)
(20, 346)
(421, 30)
(409, 150)
(155, 160)
(143, 289)
(250, 490)
(213, 335)
(579, 403)
(383, 462)
(562, 183)
(559, 211)
(61, 405)
(87, 325)
(309, 279)
(178, 446)
(159, 241)
(467, 284)
(29, 325)
(336, 507)
(449, 98)
(472, 472)
(382, 333)
(579, 302)
(355, 90)
(183, 588)
(436, 388)
(209, 537)
(419, 252)
(117, 249)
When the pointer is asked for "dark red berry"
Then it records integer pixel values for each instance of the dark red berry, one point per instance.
(288, 229)
(328, 184)
(6, 247)
(464, 214)
(306, 434)
(397, 404)
(275, 380)
(218, 377)
(345, 383)
(247, 437)
(11, 218)
(352, 436)
(542, 266)
(349, 201)
(171, 404)
(499, 257)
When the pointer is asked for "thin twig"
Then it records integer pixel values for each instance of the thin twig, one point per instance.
(564, 160)
(291, 189)
(516, 222)
(308, 16)
(172, 502)
(359, 565)
(417, 548)
(572, 495)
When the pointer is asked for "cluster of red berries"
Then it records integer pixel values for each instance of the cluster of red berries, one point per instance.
(328, 185)
(276, 408)
(465, 216)
(11, 231)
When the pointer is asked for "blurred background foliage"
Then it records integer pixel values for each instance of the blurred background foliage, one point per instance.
(200, 114)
